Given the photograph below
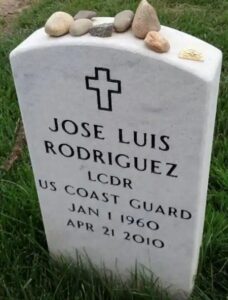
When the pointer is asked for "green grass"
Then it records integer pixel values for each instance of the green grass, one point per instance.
(26, 270)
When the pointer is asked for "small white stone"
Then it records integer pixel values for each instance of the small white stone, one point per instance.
(191, 54)
(123, 20)
(58, 24)
(102, 20)
(80, 27)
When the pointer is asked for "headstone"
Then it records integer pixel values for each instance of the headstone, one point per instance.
(120, 140)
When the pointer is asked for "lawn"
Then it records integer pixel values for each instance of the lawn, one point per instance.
(26, 270)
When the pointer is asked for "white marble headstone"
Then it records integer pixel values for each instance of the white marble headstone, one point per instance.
(120, 140)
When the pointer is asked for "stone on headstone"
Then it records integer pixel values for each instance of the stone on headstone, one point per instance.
(155, 41)
(145, 20)
(85, 14)
(103, 20)
(58, 24)
(191, 54)
(120, 140)
(80, 27)
(102, 30)
(123, 20)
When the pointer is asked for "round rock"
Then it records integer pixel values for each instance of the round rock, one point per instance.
(155, 41)
(58, 24)
(123, 20)
(145, 20)
(85, 14)
(80, 27)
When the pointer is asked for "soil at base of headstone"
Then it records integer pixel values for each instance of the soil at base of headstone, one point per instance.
(9, 9)
(12, 7)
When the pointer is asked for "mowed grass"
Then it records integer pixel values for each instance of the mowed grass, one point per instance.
(26, 272)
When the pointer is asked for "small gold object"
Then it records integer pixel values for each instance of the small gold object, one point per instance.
(191, 54)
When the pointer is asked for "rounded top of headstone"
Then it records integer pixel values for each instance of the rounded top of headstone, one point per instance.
(126, 41)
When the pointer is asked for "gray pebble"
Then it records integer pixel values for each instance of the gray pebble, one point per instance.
(80, 27)
(102, 30)
(123, 20)
(85, 14)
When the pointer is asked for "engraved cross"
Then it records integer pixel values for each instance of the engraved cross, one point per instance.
(104, 87)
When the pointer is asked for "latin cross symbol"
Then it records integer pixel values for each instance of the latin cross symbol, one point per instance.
(104, 87)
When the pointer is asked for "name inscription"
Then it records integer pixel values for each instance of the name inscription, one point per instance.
(149, 213)
(122, 160)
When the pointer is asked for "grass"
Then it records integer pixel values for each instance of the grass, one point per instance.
(26, 270)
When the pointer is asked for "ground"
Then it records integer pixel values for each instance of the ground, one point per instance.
(12, 7)
(9, 9)
(26, 270)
